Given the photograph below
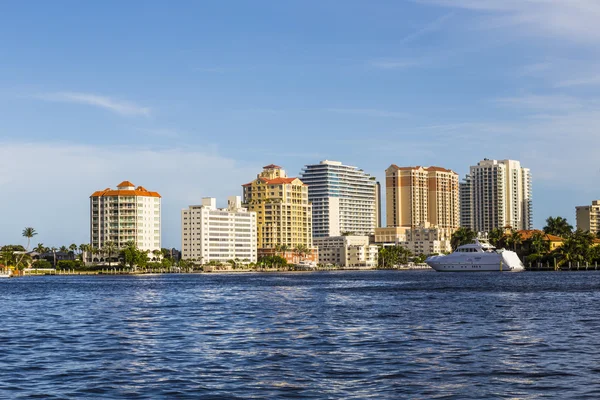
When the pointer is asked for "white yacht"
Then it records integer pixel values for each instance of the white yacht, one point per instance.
(477, 256)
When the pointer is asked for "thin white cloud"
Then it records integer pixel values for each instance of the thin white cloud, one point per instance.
(587, 81)
(108, 103)
(79, 170)
(426, 29)
(368, 112)
(538, 102)
(574, 20)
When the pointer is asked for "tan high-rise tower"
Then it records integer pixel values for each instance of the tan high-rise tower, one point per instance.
(283, 213)
(417, 196)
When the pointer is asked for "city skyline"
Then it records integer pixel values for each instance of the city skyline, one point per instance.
(451, 84)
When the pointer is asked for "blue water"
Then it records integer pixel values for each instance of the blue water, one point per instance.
(351, 335)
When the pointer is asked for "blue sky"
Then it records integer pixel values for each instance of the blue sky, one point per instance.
(192, 98)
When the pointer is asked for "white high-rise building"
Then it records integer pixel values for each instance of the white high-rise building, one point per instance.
(500, 195)
(210, 234)
(464, 190)
(344, 199)
(127, 214)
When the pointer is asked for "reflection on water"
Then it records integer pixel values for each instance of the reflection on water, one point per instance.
(383, 334)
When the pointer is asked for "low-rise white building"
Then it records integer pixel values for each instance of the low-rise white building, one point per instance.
(347, 251)
(210, 234)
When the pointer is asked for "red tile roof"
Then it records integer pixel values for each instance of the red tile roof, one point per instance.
(139, 191)
(125, 184)
(272, 166)
(432, 168)
(527, 234)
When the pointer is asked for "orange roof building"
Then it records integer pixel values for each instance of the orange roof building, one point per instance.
(126, 214)
(284, 214)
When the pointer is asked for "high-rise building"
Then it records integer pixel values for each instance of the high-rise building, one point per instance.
(283, 212)
(466, 218)
(416, 196)
(127, 214)
(378, 205)
(210, 234)
(500, 195)
(588, 217)
(344, 199)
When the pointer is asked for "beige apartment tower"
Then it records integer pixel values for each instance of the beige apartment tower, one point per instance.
(283, 212)
(588, 217)
(416, 196)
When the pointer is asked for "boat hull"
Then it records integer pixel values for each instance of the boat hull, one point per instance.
(506, 261)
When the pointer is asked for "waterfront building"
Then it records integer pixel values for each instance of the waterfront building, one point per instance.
(419, 195)
(378, 205)
(125, 214)
(390, 235)
(210, 234)
(347, 251)
(283, 213)
(343, 198)
(500, 195)
(464, 190)
(424, 239)
(588, 217)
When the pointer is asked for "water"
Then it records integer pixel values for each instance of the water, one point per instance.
(351, 335)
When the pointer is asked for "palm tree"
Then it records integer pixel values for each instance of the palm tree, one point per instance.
(558, 226)
(496, 237)
(109, 249)
(28, 232)
(516, 239)
(64, 249)
(82, 249)
(538, 243)
(462, 236)
(157, 254)
(73, 248)
(40, 248)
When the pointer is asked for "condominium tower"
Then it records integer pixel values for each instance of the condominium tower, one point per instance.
(500, 196)
(210, 234)
(344, 199)
(416, 196)
(126, 214)
(464, 191)
(588, 217)
(283, 212)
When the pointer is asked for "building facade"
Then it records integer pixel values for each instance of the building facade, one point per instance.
(425, 239)
(216, 234)
(418, 195)
(344, 199)
(347, 251)
(466, 218)
(283, 211)
(588, 217)
(126, 214)
(378, 205)
(500, 195)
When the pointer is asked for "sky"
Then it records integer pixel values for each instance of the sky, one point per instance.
(192, 98)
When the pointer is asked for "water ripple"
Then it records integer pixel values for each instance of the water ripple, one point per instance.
(351, 335)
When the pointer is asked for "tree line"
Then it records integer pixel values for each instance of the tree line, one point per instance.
(577, 246)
